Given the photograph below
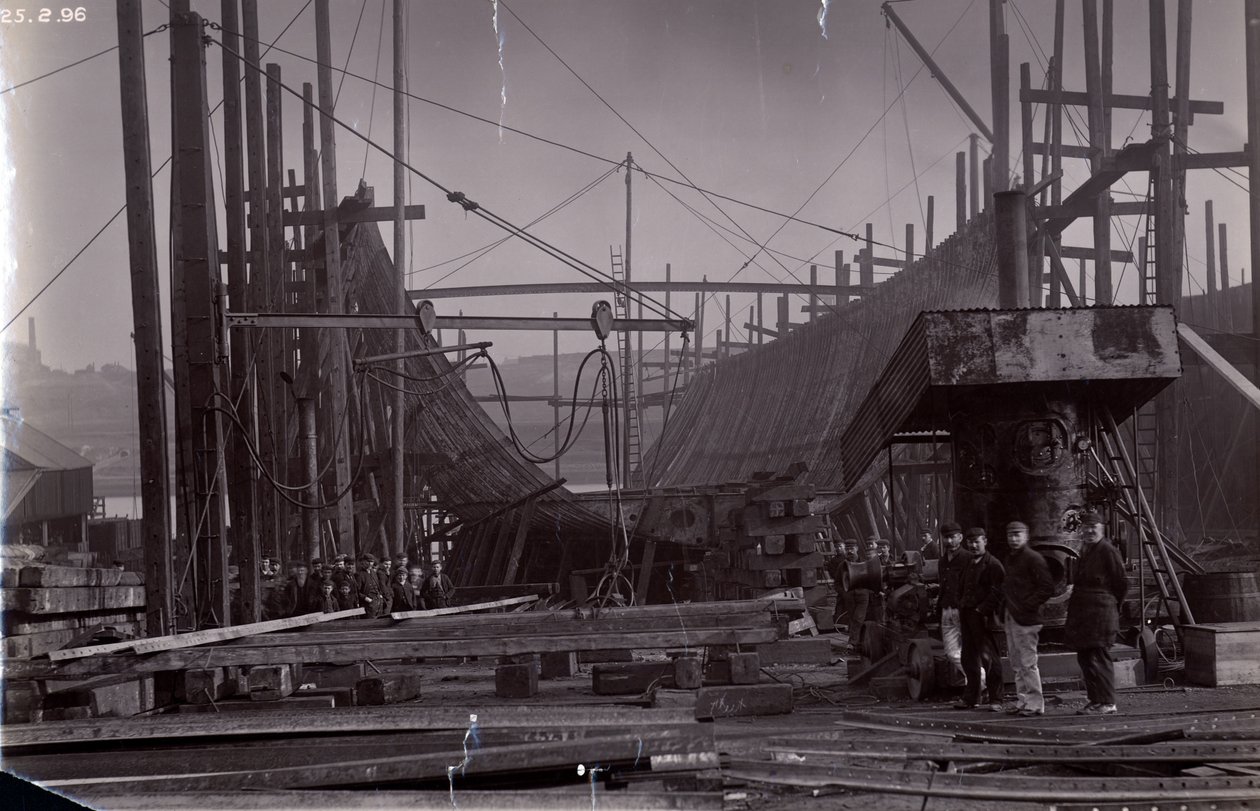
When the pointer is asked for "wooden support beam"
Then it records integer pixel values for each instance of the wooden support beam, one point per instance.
(337, 322)
(146, 316)
(1069, 252)
(374, 214)
(1116, 100)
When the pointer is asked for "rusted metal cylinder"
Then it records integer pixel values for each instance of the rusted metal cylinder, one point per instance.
(1016, 460)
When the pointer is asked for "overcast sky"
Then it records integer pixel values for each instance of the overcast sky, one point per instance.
(759, 101)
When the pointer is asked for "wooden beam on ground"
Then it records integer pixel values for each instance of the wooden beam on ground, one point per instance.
(527, 757)
(224, 656)
(352, 720)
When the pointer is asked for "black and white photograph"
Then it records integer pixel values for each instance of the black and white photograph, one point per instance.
(720, 405)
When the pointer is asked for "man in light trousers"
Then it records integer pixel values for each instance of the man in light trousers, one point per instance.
(952, 559)
(1028, 586)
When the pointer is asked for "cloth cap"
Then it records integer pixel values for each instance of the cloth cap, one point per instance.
(1016, 525)
(367, 556)
(950, 528)
(1091, 519)
(976, 532)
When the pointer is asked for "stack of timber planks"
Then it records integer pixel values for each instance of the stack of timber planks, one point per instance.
(47, 606)
(775, 542)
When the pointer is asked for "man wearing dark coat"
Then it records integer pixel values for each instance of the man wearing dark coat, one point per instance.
(404, 595)
(437, 590)
(949, 572)
(368, 586)
(1093, 616)
(1028, 586)
(981, 599)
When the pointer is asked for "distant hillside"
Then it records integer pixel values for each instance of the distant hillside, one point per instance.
(93, 411)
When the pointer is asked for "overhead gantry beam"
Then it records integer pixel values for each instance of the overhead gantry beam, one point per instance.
(336, 321)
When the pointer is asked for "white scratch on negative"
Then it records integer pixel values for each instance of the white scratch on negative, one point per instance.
(822, 17)
(499, 35)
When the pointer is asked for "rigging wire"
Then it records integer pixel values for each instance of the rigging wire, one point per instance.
(474, 208)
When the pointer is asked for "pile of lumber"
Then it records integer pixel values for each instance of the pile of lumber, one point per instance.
(1145, 760)
(774, 543)
(46, 607)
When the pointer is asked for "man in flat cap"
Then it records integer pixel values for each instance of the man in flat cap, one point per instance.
(1093, 616)
(1028, 585)
(369, 586)
(980, 602)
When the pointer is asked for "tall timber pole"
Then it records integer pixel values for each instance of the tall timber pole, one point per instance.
(624, 343)
(400, 263)
(197, 265)
(1167, 268)
(338, 354)
(1252, 11)
(146, 312)
(243, 476)
(1000, 50)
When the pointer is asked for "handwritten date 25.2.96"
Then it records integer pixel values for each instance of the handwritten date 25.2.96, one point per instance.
(43, 15)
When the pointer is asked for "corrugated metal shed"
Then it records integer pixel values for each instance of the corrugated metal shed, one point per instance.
(43, 479)
(1118, 356)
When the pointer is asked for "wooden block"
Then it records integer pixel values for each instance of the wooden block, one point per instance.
(799, 508)
(802, 543)
(69, 600)
(334, 675)
(890, 688)
(774, 509)
(1225, 653)
(388, 688)
(806, 650)
(687, 672)
(805, 578)
(206, 685)
(745, 668)
(743, 699)
(123, 700)
(774, 544)
(587, 657)
(804, 625)
(558, 665)
(824, 617)
(630, 678)
(515, 681)
(21, 701)
(270, 682)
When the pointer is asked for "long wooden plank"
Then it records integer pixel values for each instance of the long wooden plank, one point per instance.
(199, 637)
(463, 609)
(512, 758)
(223, 656)
(400, 718)
(16, 624)
(1227, 370)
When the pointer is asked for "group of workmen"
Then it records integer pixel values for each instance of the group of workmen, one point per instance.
(383, 588)
(980, 595)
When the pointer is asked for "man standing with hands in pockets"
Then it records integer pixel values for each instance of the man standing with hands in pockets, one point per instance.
(1028, 585)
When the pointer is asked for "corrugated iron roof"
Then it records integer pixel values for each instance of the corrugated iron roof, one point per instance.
(27, 447)
(1123, 354)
